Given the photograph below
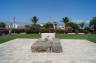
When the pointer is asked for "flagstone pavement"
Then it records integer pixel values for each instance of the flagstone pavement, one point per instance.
(74, 51)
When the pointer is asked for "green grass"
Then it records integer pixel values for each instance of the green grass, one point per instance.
(5, 38)
(90, 37)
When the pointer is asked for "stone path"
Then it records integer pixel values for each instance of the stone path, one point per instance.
(74, 51)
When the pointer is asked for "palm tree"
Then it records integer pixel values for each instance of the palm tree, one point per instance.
(93, 23)
(82, 25)
(65, 20)
(34, 20)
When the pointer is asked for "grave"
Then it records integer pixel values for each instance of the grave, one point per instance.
(47, 43)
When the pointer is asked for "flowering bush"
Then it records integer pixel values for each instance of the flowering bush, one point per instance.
(36, 31)
(28, 31)
(4, 31)
(46, 31)
(0, 32)
(17, 31)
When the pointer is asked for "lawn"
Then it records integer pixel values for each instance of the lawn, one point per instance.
(90, 37)
(5, 38)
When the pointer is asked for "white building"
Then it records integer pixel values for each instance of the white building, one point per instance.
(14, 26)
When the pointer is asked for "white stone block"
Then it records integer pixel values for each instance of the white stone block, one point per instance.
(49, 36)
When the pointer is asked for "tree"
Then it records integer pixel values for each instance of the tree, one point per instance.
(65, 20)
(27, 26)
(93, 23)
(73, 25)
(88, 28)
(48, 25)
(81, 25)
(34, 20)
(36, 26)
(2, 25)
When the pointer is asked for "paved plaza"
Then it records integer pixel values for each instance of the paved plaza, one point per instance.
(74, 51)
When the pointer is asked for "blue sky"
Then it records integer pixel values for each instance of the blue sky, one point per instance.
(23, 10)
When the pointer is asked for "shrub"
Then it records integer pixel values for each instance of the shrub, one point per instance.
(52, 30)
(6, 31)
(66, 31)
(28, 31)
(17, 31)
(0, 32)
(81, 30)
(42, 30)
(88, 28)
(46, 31)
(36, 31)
(76, 31)
(94, 32)
(59, 31)
(86, 31)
